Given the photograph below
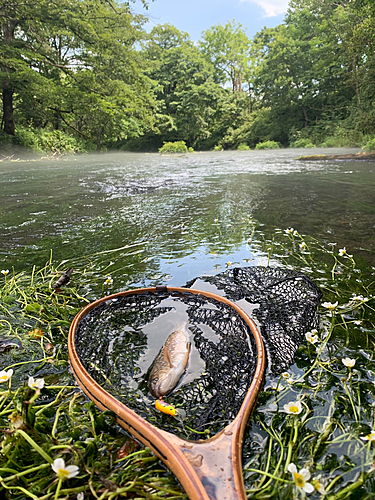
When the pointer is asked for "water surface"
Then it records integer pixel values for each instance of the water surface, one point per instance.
(188, 214)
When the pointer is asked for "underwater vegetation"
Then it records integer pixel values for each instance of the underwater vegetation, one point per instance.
(312, 432)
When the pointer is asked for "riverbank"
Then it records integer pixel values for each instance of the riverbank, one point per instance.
(356, 156)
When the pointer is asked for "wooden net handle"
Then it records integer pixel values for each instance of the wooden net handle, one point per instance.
(209, 469)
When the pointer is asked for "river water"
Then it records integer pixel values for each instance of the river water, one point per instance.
(179, 216)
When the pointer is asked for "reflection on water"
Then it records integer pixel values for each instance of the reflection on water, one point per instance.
(169, 204)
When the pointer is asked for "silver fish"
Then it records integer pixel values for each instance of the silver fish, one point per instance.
(170, 363)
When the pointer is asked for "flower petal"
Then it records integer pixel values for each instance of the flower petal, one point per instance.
(292, 468)
(305, 473)
(309, 488)
(58, 464)
(73, 470)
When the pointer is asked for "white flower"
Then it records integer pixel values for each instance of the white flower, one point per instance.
(329, 305)
(369, 437)
(302, 246)
(277, 388)
(108, 281)
(285, 375)
(229, 263)
(216, 220)
(35, 383)
(301, 478)
(312, 339)
(342, 252)
(348, 362)
(319, 486)
(5, 271)
(5, 375)
(80, 495)
(289, 231)
(295, 233)
(360, 298)
(62, 471)
(16, 420)
(293, 408)
(357, 322)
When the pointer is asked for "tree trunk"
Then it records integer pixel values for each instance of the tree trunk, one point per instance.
(305, 116)
(239, 84)
(99, 139)
(8, 116)
(8, 28)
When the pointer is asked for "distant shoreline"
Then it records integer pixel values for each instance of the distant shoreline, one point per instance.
(355, 156)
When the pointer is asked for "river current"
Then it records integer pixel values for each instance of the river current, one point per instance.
(180, 216)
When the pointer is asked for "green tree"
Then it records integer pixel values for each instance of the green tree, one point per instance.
(311, 71)
(73, 64)
(228, 48)
(184, 87)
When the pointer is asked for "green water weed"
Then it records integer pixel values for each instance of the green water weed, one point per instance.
(329, 437)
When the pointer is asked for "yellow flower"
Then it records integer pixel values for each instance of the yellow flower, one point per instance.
(36, 332)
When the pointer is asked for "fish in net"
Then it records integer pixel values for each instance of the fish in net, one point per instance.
(111, 340)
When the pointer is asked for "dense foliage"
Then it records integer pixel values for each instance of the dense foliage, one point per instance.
(88, 69)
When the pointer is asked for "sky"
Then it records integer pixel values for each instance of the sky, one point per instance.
(195, 16)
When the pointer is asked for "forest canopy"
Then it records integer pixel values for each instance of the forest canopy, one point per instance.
(85, 75)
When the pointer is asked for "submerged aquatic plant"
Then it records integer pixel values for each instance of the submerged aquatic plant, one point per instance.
(333, 436)
(327, 430)
(45, 420)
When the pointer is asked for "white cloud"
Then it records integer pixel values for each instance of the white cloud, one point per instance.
(271, 7)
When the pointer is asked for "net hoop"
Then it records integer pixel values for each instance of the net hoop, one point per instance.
(199, 465)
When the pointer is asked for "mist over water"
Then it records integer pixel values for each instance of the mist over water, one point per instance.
(168, 206)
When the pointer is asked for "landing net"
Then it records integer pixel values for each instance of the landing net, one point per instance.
(111, 342)
(286, 310)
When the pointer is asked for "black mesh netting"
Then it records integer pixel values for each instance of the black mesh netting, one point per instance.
(110, 341)
(287, 307)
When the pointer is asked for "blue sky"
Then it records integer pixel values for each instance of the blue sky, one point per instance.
(195, 16)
